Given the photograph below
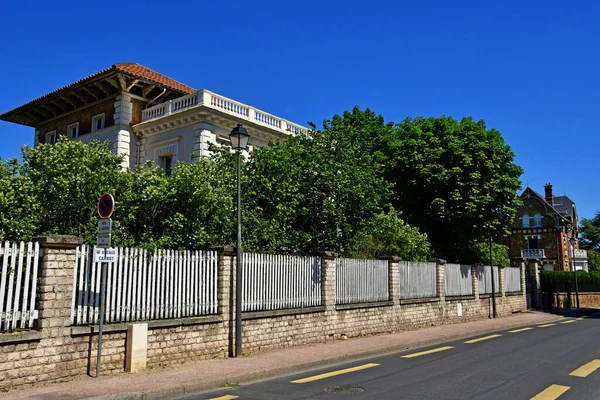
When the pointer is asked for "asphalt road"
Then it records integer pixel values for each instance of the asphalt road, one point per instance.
(560, 360)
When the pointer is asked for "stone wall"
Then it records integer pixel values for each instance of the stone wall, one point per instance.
(57, 351)
(569, 300)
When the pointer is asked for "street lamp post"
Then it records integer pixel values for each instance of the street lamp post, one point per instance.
(239, 141)
(573, 242)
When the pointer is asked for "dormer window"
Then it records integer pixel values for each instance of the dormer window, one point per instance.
(50, 137)
(98, 122)
(532, 221)
(73, 130)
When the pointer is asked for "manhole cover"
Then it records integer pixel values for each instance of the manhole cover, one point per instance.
(344, 389)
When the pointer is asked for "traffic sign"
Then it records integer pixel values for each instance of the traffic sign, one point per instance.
(104, 226)
(106, 206)
(103, 240)
(106, 255)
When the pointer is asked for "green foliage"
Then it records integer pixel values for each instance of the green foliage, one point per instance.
(590, 233)
(593, 260)
(456, 181)
(553, 277)
(480, 254)
(388, 235)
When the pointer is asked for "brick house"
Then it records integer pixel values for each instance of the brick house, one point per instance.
(542, 229)
(145, 115)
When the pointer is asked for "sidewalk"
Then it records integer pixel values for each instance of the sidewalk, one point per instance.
(193, 378)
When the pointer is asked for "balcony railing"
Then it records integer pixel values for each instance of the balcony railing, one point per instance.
(580, 254)
(533, 253)
(223, 104)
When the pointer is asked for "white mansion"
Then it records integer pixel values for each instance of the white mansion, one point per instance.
(145, 116)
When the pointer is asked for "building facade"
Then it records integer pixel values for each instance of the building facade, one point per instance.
(542, 229)
(145, 115)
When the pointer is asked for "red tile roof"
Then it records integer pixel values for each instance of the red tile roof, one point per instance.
(141, 72)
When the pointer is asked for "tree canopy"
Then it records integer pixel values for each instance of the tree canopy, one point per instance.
(590, 232)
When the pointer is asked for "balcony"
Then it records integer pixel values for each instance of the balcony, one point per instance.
(205, 98)
(533, 253)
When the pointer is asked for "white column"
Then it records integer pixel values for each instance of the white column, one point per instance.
(123, 109)
(121, 145)
(203, 135)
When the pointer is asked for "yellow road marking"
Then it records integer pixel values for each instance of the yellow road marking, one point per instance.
(551, 392)
(335, 373)
(427, 352)
(545, 325)
(521, 330)
(228, 397)
(482, 338)
(568, 322)
(586, 369)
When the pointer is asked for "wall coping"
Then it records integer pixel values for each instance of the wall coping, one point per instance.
(516, 294)
(279, 313)
(420, 300)
(24, 336)
(154, 324)
(438, 261)
(327, 254)
(390, 258)
(58, 241)
(459, 298)
(354, 306)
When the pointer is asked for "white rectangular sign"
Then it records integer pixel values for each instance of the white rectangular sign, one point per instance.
(106, 255)
(104, 226)
(103, 240)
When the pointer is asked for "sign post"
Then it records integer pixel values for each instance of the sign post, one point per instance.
(104, 254)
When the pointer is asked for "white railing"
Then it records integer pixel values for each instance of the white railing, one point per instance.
(212, 100)
(580, 254)
(144, 285)
(512, 280)
(18, 285)
(274, 282)
(484, 276)
(458, 280)
(533, 253)
(361, 281)
(418, 279)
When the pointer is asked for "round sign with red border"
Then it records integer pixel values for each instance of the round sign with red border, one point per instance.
(106, 206)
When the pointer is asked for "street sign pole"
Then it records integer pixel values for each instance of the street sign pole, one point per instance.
(106, 207)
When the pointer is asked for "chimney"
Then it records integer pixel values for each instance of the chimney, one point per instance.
(549, 195)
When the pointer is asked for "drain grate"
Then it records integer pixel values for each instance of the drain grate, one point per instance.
(344, 389)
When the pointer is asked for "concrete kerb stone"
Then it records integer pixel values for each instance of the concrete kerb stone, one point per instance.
(191, 388)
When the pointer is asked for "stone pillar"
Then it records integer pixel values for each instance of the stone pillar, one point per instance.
(522, 265)
(226, 292)
(440, 279)
(328, 295)
(123, 109)
(393, 278)
(534, 272)
(122, 146)
(203, 135)
(475, 280)
(501, 282)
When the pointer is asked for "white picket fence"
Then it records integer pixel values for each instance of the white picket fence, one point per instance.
(144, 285)
(417, 280)
(458, 280)
(484, 276)
(512, 280)
(361, 281)
(18, 285)
(274, 282)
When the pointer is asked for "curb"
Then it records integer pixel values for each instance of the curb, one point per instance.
(189, 389)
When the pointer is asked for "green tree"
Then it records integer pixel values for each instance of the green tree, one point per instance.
(388, 235)
(480, 254)
(316, 191)
(590, 232)
(456, 181)
(593, 260)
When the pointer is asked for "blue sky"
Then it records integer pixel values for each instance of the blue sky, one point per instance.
(529, 69)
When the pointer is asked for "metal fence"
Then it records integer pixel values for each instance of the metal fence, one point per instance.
(484, 275)
(361, 281)
(18, 285)
(144, 285)
(512, 280)
(274, 282)
(417, 280)
(458, 280)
